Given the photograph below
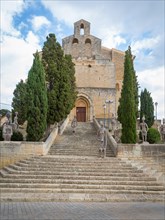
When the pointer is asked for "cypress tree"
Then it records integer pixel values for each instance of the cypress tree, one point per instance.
(37, 101)
(71, 85)
(127, 106)
(60, 79)
(19, 102)
(136, 88)
(146, 107)
(52, 56)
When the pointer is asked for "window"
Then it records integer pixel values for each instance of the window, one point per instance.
(88, 41)
(82, 29)
(75, 41)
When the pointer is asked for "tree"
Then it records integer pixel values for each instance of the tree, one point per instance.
(67, 87)
(3, 112)
(127, 105)
(153, 136)
(136, 92)
(146, 107)
(71, 85)
(60, 79)
(37, 101)
(19, 102)
(52, 56)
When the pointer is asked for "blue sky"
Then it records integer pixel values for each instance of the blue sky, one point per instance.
(140, 24)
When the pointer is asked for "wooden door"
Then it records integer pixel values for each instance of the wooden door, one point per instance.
(81, 114)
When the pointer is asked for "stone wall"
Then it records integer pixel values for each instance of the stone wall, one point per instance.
(143, 150)
(130, 151)
(95, 67)
(13, 151)
(81, 45)
(92, 74)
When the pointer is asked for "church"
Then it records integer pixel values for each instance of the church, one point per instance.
(99, 74)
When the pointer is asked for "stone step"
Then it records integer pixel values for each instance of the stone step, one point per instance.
(79, 170)
(78, 181)
(67, 151)
(77, 197)
(76, 159)
(73, 171)
(84, 165)
(83, 168)
(79, 154)
(82, 190)
(89, 152)
(71, 177)
(78, 148)
(76, 173)
(76, 168)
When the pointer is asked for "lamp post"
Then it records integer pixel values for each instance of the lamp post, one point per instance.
(156, 104)
(104, 106)
(109, 102)
(0, 119)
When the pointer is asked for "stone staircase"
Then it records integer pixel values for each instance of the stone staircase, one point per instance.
(64, 175)
(83, 142)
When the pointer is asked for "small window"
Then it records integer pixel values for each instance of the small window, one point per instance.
(75, 41)
(82, 29)
(88, 41)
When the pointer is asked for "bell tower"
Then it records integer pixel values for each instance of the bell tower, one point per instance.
(82, 45)
(81, 27)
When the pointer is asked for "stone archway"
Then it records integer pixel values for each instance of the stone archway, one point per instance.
(83, 108)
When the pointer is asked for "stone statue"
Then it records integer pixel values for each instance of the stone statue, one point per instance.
(113, 122)
(9, 118)
(103, 139)
(15, 123)
(144, 129)
(7, 131)
(74, 124)
(162, 130)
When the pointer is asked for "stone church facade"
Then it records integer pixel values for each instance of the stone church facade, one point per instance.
(98, 71)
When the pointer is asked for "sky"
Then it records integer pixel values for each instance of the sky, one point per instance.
(25, 24)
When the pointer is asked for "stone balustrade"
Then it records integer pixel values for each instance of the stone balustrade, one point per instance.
(13, 151)
(110, 140)
(133, 150)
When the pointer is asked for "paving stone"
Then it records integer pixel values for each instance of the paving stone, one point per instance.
(83, 211)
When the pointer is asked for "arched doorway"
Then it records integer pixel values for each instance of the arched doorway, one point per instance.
(82, 106)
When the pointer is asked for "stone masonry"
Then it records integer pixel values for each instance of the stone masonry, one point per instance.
(98, 71)
(73, 171)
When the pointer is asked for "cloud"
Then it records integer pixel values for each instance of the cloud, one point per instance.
(154, 81)
(145, 43)
(117, 23)
(39, 22)
(16, 52)
(9, 10)
(16, 62)
(111, 38)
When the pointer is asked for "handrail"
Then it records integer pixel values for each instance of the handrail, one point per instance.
(110, 140)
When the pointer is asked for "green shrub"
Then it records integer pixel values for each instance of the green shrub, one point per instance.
(17, 136)
(153, 136)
